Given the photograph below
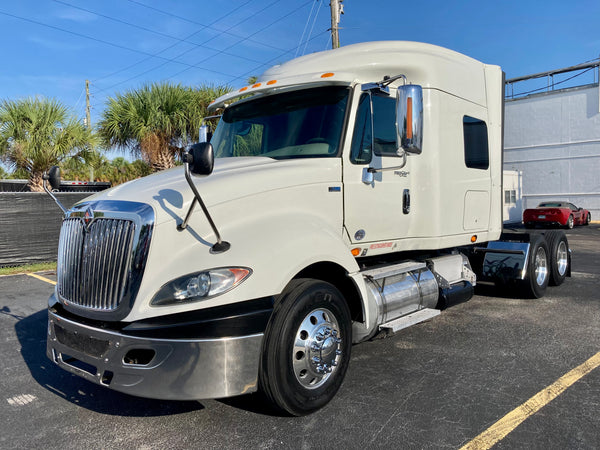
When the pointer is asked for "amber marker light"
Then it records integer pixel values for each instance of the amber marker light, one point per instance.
(269, 83)
(327, 75)
(256, 85)
(243, 89)
(474, 238)
(355, 251)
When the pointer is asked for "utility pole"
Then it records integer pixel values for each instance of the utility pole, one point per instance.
(88, 120)
(337, 9)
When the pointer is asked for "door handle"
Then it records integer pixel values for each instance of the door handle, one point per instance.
(406, 201)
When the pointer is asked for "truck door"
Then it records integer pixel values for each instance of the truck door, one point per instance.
(378, 211)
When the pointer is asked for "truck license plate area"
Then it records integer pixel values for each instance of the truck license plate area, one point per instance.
(78, 364)
(82, 343)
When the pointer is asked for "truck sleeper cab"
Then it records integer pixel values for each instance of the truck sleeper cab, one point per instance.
(356, 191)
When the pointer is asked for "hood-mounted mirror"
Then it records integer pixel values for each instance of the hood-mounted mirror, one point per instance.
(53, 177)
(200, 160)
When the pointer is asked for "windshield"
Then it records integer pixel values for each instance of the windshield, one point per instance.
(298, 124)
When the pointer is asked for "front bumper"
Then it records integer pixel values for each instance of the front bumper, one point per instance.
(171, 369)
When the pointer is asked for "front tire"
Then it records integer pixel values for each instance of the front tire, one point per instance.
(306, 349)
(588, 219)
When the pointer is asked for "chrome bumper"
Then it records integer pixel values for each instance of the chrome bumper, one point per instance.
(171, 369)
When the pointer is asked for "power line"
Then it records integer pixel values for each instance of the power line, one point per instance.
(186, 19)
(312, 27)
(253, 34)
(206, 59)
(171, 46)
(269, 62)
(112, 44)
(305, 26)
(158, 33)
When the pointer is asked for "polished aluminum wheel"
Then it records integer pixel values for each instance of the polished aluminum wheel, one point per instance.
(541, 266)
(562, 258)
(317, 348)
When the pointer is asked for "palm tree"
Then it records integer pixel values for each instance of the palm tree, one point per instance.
(37, 133)
(157, 121)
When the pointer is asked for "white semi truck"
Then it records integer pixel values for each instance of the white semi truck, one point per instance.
(345, 194)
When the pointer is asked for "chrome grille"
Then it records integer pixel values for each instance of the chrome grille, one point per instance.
(94, 262)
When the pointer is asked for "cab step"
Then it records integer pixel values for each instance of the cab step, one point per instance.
(409, 320)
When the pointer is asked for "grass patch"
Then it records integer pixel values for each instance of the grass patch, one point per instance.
(28, 268)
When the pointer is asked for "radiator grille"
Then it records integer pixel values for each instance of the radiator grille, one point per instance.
(94, 262)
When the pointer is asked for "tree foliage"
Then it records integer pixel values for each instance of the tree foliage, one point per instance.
(157, 121)
(117, 171)
(37, 133)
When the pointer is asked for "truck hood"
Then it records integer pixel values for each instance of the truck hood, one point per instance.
(232, 179)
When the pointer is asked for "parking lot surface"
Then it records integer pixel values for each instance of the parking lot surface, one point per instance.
(438, 384)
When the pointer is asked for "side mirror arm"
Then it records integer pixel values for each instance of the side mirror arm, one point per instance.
(54, 176)
(221, 246)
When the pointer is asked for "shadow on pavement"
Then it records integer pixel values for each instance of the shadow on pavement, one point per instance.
(31, 332)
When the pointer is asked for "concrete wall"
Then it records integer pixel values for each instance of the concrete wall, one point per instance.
(554, 139)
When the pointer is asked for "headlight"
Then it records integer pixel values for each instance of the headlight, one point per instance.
(200, 285)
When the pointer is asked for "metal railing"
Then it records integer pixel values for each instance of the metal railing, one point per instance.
(551, 83)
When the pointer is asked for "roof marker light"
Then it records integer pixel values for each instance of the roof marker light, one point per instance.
(243, 89)
(327, 75)
(271, 82)
(256, 85)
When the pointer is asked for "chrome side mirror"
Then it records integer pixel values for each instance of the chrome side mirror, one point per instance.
(409, 118)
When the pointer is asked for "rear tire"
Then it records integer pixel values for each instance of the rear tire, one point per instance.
(558, 246)
(570, 222)
(588, 219)
(538, 275)
(306, 349)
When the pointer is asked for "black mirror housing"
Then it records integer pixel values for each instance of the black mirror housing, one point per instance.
(201, 158)
(54, 177)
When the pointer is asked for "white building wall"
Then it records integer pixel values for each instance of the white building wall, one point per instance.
(512, 192)
(554, 140)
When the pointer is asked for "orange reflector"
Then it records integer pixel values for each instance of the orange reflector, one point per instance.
(256, 85)
(409, 119)
(355, 251)
(243, 89)
(271, 82)
(474, 238)
(327, 75)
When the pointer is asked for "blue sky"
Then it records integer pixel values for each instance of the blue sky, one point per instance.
(51, 47)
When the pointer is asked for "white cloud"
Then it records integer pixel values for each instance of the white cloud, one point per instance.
(76, 16)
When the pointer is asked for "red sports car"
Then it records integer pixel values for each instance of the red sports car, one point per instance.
(556, 213)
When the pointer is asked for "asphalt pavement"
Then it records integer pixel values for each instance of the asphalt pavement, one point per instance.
(438, 384)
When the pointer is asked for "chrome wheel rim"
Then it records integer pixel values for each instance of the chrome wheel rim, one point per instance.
(562, 258)
(317, 348)
(541, 266)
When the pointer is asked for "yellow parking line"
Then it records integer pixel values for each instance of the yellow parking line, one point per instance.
(39, 277)
(513, 419)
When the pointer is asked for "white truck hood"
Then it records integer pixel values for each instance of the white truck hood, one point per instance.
(232, 179)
